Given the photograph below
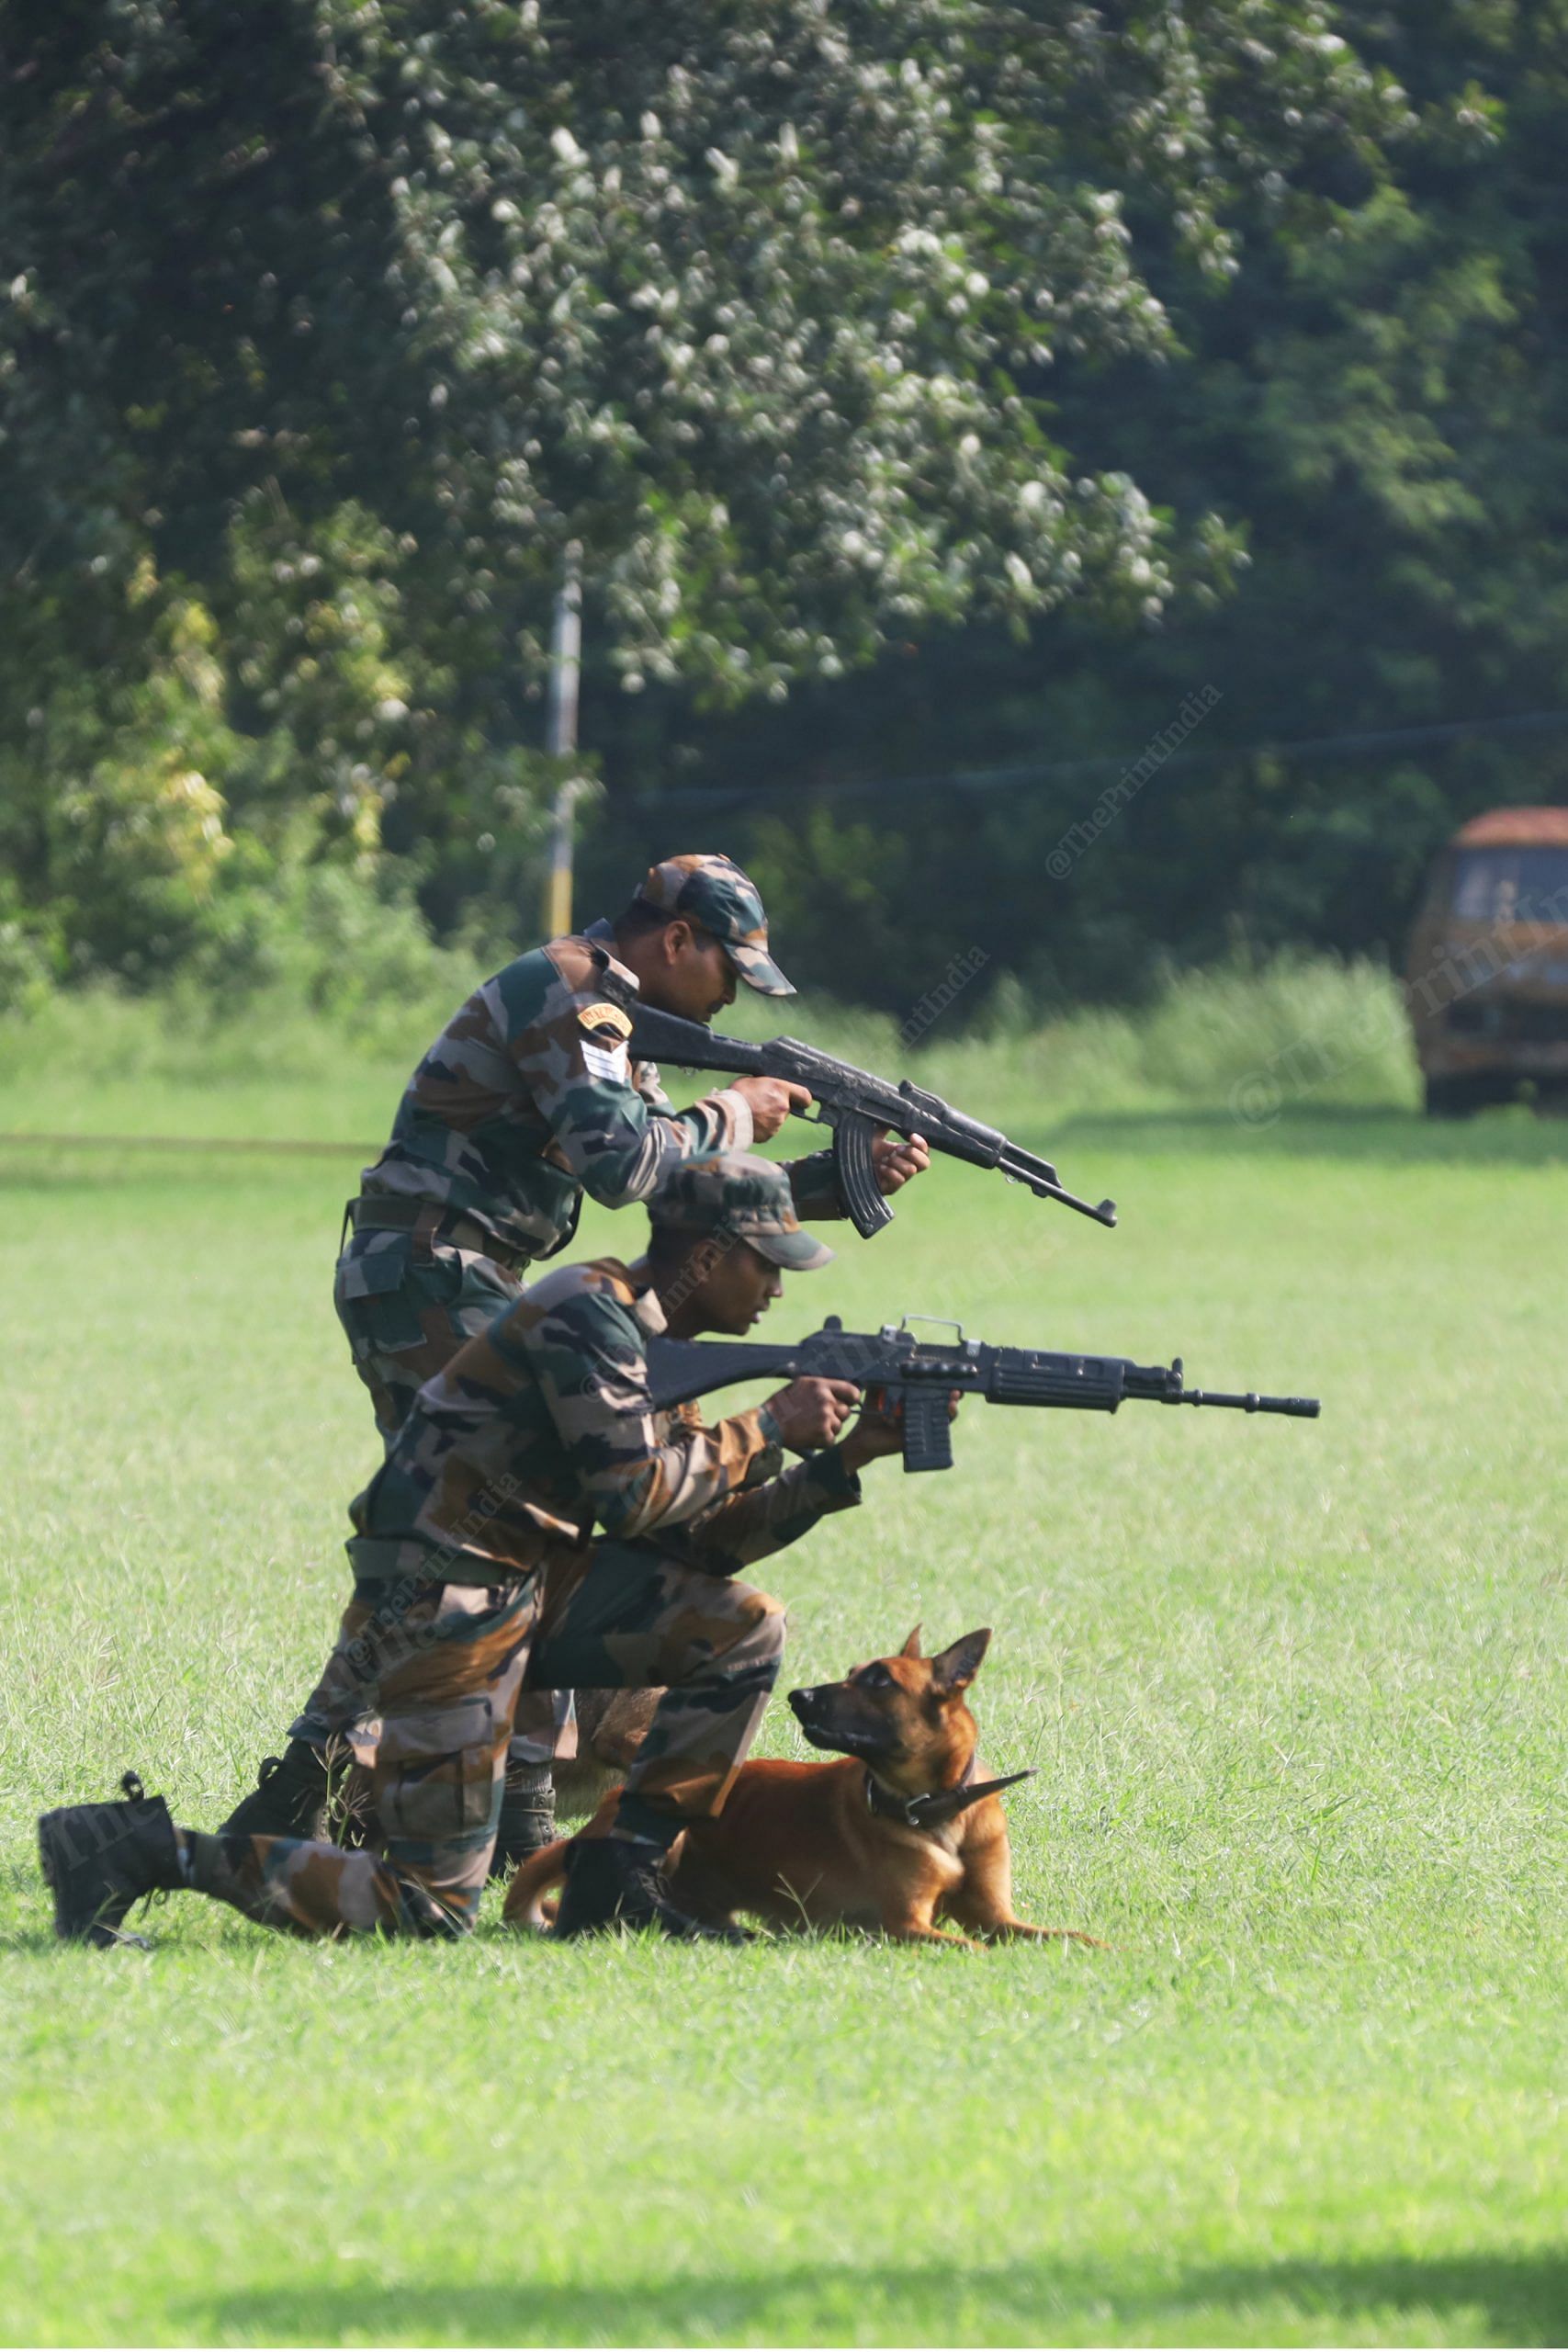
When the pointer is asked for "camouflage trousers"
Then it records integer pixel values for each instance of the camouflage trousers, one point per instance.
(408, 1301)
(446, 1665)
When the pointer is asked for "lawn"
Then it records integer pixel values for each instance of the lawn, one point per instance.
(1294, 1693)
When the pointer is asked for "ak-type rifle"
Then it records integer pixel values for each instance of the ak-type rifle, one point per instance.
(917, 1377)
(856, 1106)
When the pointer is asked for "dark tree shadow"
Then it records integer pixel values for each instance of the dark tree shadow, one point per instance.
(1486, 2298)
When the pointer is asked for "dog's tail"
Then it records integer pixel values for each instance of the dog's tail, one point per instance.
(525, 1906)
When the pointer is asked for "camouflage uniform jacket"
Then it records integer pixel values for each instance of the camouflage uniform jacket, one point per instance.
(542, 1427)
(528, 1098)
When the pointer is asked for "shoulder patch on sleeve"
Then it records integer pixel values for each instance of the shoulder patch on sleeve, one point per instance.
(606, 1016)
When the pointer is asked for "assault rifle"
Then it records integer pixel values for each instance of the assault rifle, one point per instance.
(917, 1375)
(854, 1105)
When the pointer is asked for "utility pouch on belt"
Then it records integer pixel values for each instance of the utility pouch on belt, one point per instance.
(426, 1221)
(377, 1559)
(373, 1303)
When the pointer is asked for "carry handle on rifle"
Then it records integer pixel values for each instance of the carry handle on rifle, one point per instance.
(854, 1173)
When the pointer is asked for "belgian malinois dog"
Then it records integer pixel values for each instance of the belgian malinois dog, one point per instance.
(898, 1832)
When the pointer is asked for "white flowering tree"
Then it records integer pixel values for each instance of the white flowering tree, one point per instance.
(759, 302)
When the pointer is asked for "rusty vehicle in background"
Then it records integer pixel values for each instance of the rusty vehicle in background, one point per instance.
(1486, 981)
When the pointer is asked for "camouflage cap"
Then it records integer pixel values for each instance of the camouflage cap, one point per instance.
(741, 1199)
(711, 891)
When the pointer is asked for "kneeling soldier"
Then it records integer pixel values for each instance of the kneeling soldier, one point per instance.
(476, 1574)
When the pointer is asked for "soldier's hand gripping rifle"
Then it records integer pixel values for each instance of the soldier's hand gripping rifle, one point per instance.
(855, 1105)
(917, 1377)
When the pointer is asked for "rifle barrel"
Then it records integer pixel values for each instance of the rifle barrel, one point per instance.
(1026, 1168)
(1299, 1408)
(1102, 1214)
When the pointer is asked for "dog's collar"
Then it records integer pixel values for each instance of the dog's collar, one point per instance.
(940, 1805)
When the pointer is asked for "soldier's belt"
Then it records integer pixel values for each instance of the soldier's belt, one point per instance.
(429, 1223)
(414, 1565)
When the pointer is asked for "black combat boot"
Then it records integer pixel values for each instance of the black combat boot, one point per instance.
(527, 1816)
(99, 1858)
(290, 1797)
(610, 1883)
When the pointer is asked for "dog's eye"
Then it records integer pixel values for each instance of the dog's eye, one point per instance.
(876, 1677)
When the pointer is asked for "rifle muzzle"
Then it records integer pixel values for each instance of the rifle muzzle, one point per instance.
(1298, 1409)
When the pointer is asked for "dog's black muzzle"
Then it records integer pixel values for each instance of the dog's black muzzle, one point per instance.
(825, 1726)
(813, 1712)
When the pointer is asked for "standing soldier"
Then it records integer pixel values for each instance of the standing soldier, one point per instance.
(525, 1101)
(475, 1571)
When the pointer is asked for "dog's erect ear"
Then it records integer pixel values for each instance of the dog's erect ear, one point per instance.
(912, 1646)
(957, 1668)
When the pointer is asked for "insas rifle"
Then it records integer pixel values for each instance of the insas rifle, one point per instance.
(917, 1377)
(854, 1105)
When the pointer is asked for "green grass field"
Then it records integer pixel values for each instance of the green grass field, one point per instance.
(1295, 1692)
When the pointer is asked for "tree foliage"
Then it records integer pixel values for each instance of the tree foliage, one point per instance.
(1377, 404)
(749, 301)
(1092, 353)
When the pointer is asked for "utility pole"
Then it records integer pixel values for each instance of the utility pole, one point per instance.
(566, 664)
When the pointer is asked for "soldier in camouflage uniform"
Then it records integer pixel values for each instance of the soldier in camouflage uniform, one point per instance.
(476, 1574)
(525, 1101)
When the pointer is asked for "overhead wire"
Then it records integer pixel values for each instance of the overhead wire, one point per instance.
(1010, 777)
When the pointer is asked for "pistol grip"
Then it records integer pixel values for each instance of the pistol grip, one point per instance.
(854, 1173)
(927, 1430)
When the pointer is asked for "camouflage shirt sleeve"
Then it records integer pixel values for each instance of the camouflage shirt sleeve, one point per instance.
(764, 1517)
(592, 1369)
(609, 1124)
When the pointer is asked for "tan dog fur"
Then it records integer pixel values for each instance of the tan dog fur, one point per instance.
(798, 1846)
